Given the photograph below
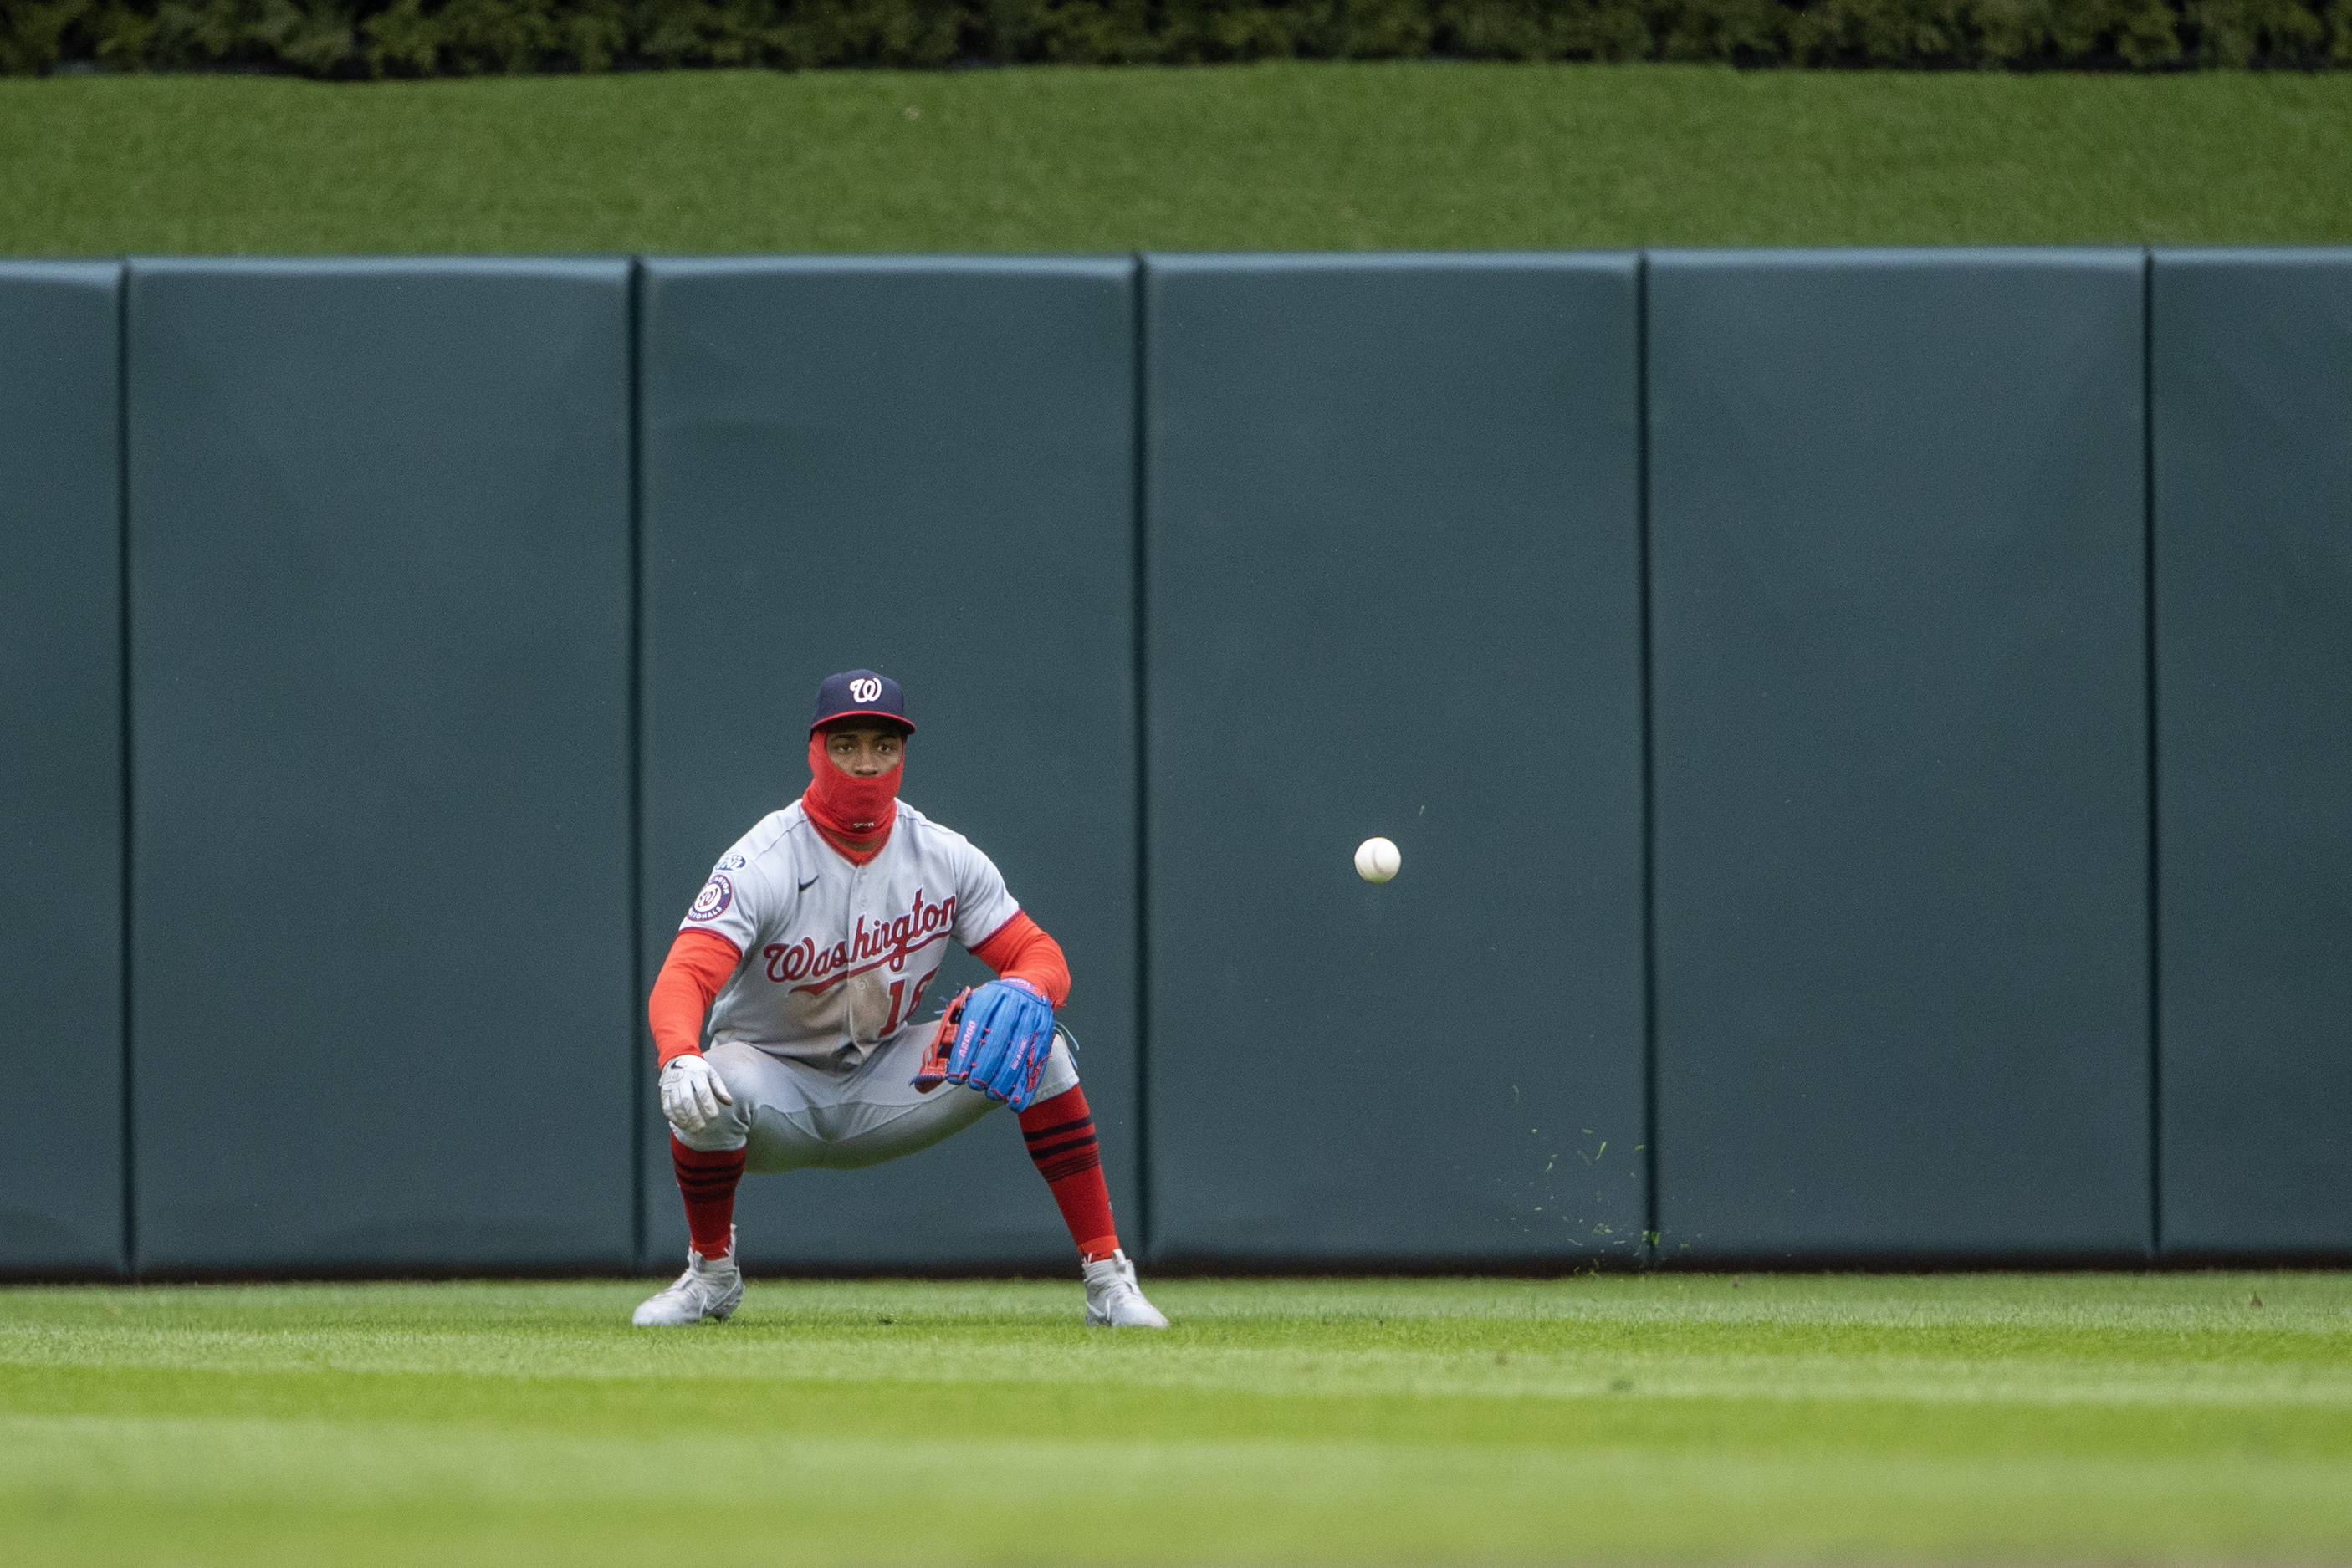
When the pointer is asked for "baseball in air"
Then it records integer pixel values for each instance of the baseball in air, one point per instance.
(1376, 860)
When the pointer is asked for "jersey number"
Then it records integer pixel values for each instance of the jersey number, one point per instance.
(902, 1005)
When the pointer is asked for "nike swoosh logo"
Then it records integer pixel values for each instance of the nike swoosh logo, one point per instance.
(810, 883)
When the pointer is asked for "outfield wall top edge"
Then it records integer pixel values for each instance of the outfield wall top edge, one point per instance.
(1801, 257)
(1217, 262)
(1097, 262)
(598, 269)
(99, 274)
(2238, 256)
(1113, 265)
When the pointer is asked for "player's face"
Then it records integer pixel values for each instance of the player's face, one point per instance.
(863, 750)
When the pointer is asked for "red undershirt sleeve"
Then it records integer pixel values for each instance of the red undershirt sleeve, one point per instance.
(1022, 951)
(698, 965)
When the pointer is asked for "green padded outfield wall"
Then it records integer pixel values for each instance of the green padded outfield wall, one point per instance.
(1897, 531)
(61, 785)
(924, 467)
(380, 610)
(2253, 377)
(1392, 588)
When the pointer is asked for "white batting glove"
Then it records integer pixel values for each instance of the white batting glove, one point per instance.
(691, 1094)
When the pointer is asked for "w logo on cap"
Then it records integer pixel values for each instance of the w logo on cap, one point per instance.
(860, 692)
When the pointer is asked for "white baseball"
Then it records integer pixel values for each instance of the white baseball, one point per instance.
(1376, 860)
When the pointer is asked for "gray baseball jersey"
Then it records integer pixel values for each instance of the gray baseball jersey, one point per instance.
(837, 957)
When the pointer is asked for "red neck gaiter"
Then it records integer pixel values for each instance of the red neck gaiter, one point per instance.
(853, 814)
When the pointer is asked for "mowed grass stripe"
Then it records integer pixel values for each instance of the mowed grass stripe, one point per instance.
(2199, 1302)
(886, 1408)
(2209, 1335)
(227, 1491)
(1283, 157)
(1514, 1368)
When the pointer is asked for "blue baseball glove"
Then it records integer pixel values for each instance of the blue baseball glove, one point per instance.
(995, 1039)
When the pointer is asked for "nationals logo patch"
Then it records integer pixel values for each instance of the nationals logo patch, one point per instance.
(712, 901)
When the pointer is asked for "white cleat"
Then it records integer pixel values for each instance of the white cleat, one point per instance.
(708, 1289)
(1113, 1301)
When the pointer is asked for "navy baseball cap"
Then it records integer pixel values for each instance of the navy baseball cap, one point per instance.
(860, 693)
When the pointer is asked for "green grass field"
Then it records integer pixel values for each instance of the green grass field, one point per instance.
(1279, 157)
(1958, 1418)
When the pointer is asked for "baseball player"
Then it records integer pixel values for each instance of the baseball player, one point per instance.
(807, 953)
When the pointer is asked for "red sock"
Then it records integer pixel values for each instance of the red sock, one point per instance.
(1061, 1136)
(707, 1181)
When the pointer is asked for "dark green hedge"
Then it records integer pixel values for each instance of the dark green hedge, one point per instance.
(461, 37)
